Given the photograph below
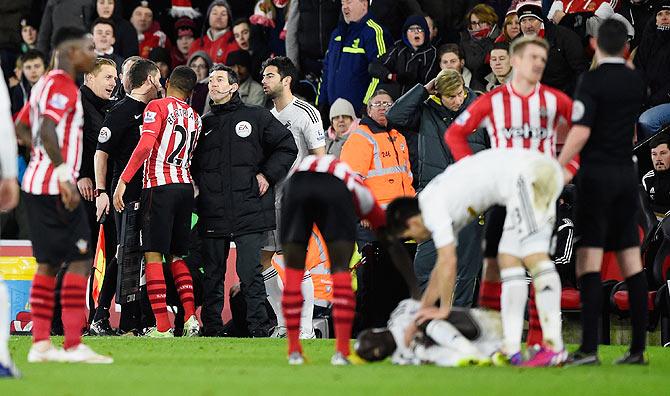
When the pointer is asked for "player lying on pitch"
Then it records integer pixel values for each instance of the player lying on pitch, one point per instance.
(527, 184)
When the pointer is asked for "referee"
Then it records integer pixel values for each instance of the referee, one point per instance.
(604, 116)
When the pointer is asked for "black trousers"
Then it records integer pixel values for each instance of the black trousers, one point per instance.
(248, 266)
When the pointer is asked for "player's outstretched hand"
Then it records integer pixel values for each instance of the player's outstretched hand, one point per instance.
(101, 205)
(429, 313)
(9, 194)
(69, 195)
(85, 185)
(118, 196)
(263, 184)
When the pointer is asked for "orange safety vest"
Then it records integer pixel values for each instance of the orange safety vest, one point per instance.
(318, 264)
(382, 159)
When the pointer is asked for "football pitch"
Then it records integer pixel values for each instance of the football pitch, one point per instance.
(229, 366)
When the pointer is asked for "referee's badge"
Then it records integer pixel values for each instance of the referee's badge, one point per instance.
(243, 129)
(104, 135)
(577, 110)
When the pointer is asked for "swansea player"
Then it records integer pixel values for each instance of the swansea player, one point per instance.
(519, 114)
(322, 190)
(304, 122)
(170, 133)
(527, 184)
(117, 139)
(51, 122)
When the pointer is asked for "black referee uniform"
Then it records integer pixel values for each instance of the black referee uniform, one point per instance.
(608, 100)
(118, 138)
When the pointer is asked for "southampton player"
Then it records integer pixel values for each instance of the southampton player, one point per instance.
(169, 135)
(9, 198)
(51, 122)
(527, 184)
(304, 122)
(322, 190)
(520, 114)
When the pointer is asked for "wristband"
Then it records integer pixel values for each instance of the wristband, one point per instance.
(63, 173)
(99, 191)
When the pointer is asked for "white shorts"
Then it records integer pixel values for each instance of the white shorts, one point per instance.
(526, 231)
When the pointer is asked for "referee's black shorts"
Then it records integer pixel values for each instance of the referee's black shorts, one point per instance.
(495, 220)
(166, 219)
(58, 235)
(316, 198)
(607, 207)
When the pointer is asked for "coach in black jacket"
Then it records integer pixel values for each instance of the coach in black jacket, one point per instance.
(242, 153)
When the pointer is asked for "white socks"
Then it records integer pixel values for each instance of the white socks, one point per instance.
(4, 323)
(513, 300)
(273, 290)
(548, 301)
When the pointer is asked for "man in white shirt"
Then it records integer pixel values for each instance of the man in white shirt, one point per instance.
(304, 122)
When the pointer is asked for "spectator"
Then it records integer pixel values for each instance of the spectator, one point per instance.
(104, 38)
(451, 57)
(185, 37)
(449, 15)
(254, 151)
(379, 153)
(638, 13)
(217, 39)
(412, 60)
(149, 35)
(33, 66)
(201, 64)
(63, 13)
(566, 60)
(28, 34)
(501, 68)
(251, 92)
(354, 44)
(126, 37)
(511, 28)
(308, 29)
(428, 111)
(477, 42)
(343, 121)
(656, 182)
(434, 30)
(10, 32)
(653, 61)
(392, 13)
(247, 37)
(161, 57)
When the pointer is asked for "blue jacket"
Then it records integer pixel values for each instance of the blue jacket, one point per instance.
(351, 49)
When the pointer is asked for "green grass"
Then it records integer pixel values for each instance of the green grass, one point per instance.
(206, 366)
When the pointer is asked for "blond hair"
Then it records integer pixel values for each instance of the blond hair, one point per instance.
(448, 82)
(517, 46)
(100, 62)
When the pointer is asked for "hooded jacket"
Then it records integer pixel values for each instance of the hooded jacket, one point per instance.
(352, 48)
(417, 112)
(653, 61)
(216, 47)
(406, 65)
(237, 143)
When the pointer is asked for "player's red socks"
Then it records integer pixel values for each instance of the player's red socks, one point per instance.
(292, 307)
(534, 327)
(156, 291)
(73, 302)
(42, 306)
(489, 295)
(184, 284)
(344, 305)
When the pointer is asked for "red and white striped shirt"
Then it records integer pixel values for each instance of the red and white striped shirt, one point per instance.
(173, 127)
(54, 96)
(513, 120)
(365, 203)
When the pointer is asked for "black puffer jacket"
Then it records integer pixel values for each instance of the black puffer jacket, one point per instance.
(566, 60)
(653, 61)
(238, 142)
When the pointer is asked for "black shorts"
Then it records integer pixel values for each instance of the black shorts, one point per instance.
(166, 219)
(495, 220)
(316, 198)
(57, 234)
(607, 207)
